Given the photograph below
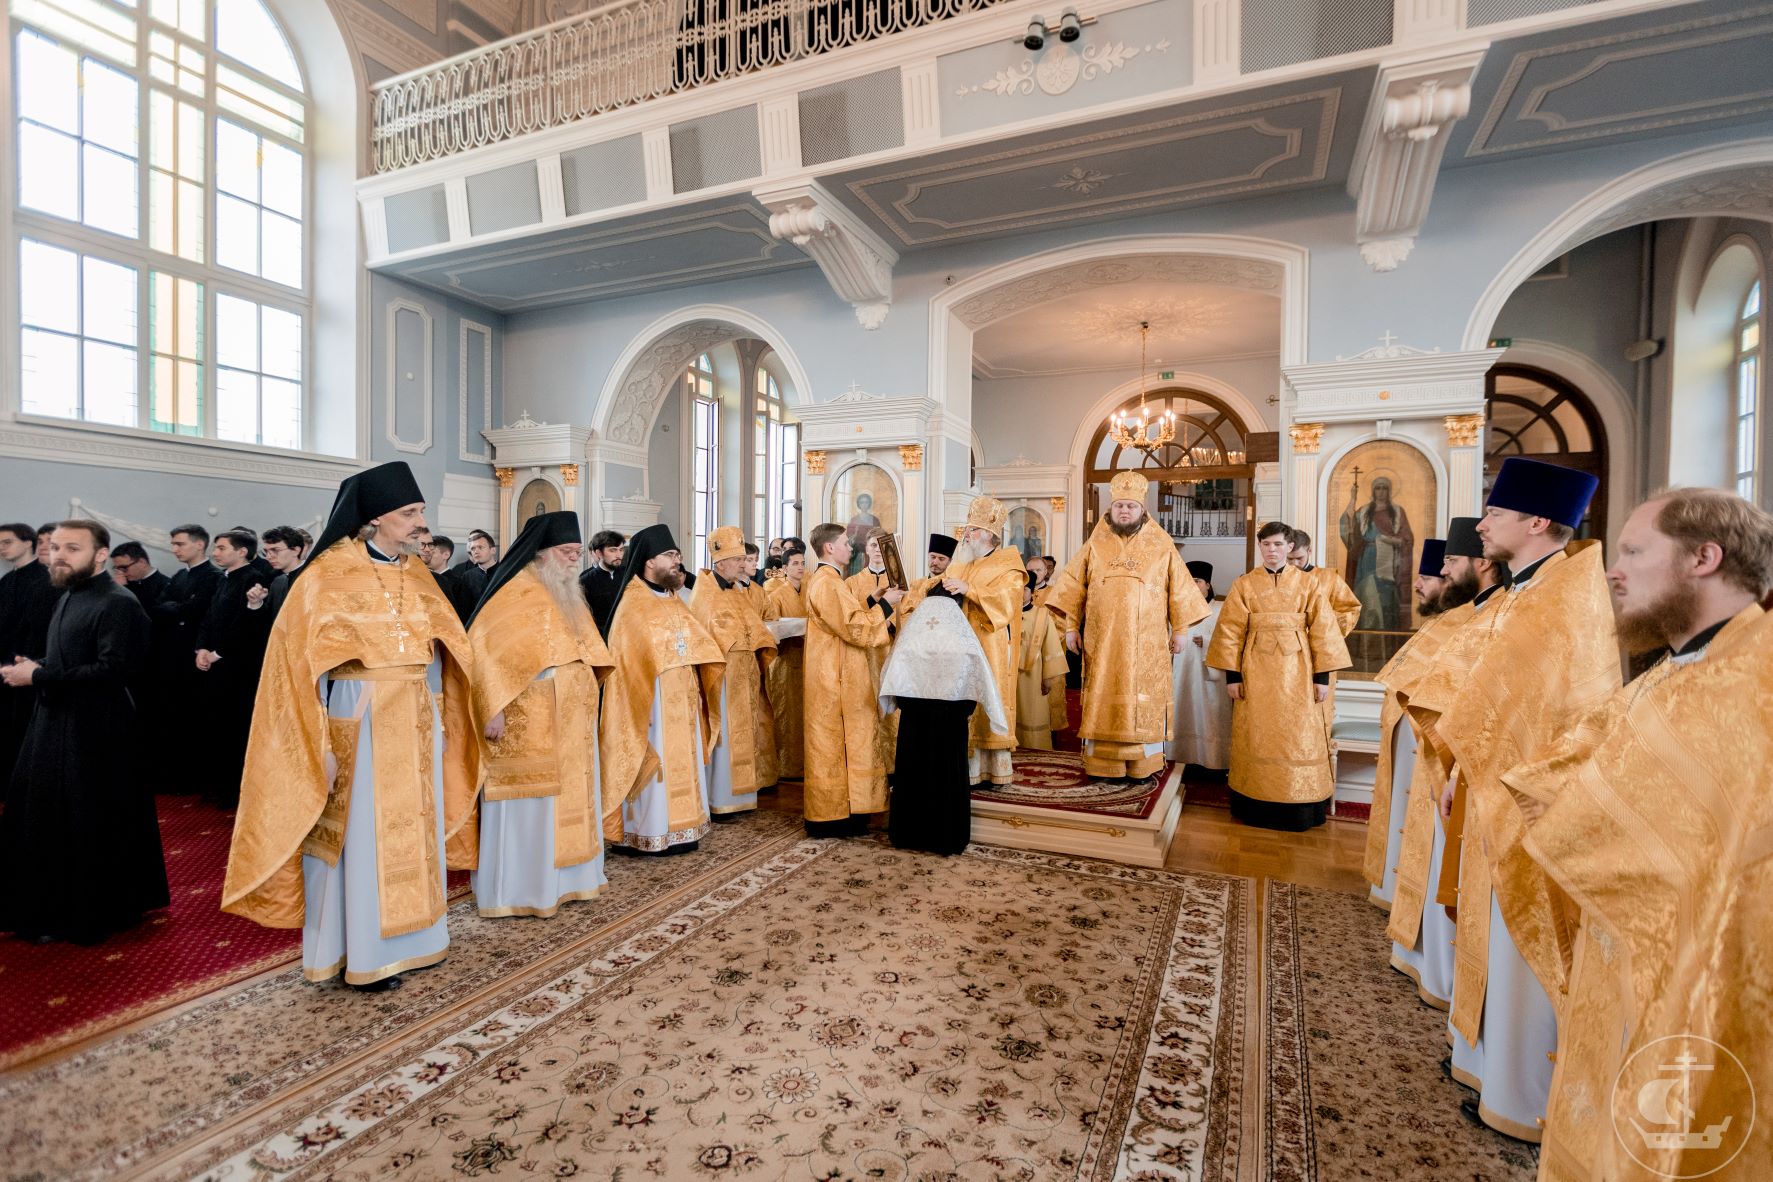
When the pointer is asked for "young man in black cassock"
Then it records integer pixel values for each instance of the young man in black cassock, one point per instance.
(27, 598)
(176, 616)
(79, 847)
(230, 653)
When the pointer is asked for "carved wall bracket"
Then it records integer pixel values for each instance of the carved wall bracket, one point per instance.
(856, 261)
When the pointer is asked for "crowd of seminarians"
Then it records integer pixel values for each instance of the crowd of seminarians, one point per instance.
(1521, 832)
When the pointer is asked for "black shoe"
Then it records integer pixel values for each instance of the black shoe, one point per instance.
(385, 985)
(1469, 1110)
(1447, 1067)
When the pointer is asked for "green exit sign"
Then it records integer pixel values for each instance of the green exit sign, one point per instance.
(1168, 375)
(1501, 342)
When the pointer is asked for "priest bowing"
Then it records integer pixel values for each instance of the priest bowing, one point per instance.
(538, 659)
(661, 705)
(356, 773)
(743, 758)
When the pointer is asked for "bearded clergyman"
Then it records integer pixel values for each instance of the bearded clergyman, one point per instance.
(743, 758)
(661, 706)
(538, 658)
(1127, 602)
(356, 773)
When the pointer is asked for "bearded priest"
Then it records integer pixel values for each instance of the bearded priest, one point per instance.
(1121, 597)
(661, 706)
(345, 809)
(743, 759)
(1278, 642)
(538, 659)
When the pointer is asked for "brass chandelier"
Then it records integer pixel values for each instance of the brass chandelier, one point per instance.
(1141, 430)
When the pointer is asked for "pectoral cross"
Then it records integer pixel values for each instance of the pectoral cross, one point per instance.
(400, 632)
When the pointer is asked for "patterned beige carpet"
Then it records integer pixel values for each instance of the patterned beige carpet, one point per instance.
(769, 1007)
(1354, 1085)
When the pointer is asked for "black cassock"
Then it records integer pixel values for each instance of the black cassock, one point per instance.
(79, 843)
(27, 600)
(177, 614)
(932, 802)
(229, 687)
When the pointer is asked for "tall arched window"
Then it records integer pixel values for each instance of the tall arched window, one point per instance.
(1748, 393)
(775, 463)
(161, 220)
(704, 409)
(1532, 412)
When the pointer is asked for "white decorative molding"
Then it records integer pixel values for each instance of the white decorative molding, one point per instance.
(655, 146)
(1385, 383)
(1025, 479)
(855, 393)
(1415, 21)
(858, 419)
(1218, 41)
(463, 451)
(141, 451)
(529, 444)
(1060, 67)
(1020, 294)
(856, 261)
(1398, 156)
(390, 344)
(1389, 350)
(550, 188)
(650, 378)
(468, 502)
(778, 127)
(921, 104)
(629, 515)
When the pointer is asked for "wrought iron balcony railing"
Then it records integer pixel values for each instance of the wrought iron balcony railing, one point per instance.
(614, 56)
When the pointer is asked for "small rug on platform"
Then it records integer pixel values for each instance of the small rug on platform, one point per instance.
(820, 1009)
(1354, 1087)
(1057, 780)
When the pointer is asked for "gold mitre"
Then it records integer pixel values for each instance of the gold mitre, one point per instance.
(725, 542)
(987, 513)
(1128, 486)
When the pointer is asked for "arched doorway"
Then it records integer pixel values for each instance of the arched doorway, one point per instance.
(1202, 476)
(1533, 412)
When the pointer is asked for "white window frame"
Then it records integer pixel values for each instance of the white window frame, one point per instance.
(216, 280)
(702, 403)
(1747, 380)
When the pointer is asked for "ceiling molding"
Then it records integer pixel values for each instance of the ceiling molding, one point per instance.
(984, 370)
(1017, 295)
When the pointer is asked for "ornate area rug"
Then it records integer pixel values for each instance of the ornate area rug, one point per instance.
(1057, 780)
(822, 1010)
(1354, 1087)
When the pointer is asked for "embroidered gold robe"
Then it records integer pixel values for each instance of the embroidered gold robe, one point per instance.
(657, 645)
(1040, 676)
(1554, 657)
(1347, 608)
(1276, 630)
(865, 584)
(845, 773)
(785, 680)
(336, 620)
(730, 615)
(1127, 596)
(1660, 827)
(1056, 703)
(549, 747)
(993, 608)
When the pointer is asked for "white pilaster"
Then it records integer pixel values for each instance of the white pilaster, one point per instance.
(455, 205)
(655, 147)
(779, 134)
(1415, 21)
(920, 103)
(1218, 40)
(551, 188)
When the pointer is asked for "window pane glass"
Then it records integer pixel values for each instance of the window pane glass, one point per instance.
(190, 220)
(236, 405)
(1751, 336)
(48, 83)
(109, 385)
(282, 262)
(108, 107)
(282, 352)
(108, 298)
(236, 234)
(246, 32)
(49, 287)
(1746, 375)
(110, 184)
(236, 160)
(49, 365)
(282, 416)
(282, 179)
(236, 334)
(1752, 305)
(48, 171)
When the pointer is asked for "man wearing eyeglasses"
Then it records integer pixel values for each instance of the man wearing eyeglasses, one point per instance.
(130, 559)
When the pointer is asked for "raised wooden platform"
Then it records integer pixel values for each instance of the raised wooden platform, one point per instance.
(1089, 831)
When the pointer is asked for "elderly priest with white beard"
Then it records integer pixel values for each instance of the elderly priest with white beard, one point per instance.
(538, 658)
(325, 839)
(1122, 597)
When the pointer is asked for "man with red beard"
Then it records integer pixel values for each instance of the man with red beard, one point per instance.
(79, 845)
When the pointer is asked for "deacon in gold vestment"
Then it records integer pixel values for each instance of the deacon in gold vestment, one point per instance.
(988, 579)
(1278, 642)
(786, 676)
(1553, 657)
(1127, 602)
(742, 760)
(348, 797)
(845, 774)
(1343, 602)
(538, 658)
(1657, 822)
(1040, 675)
(867, 584)
(661, 706)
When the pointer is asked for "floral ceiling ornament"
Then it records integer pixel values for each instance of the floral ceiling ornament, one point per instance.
(1084, 181)
(1060, 68)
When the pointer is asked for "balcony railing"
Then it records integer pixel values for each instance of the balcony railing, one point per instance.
(623, 53)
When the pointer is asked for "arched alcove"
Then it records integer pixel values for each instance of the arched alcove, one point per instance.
(1534, 412)
(1702, 435)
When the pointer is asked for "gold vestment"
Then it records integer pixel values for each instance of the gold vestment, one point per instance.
(845, 773)
(1347, 608)
(1127, 596)
(1056, 702)
(1660, 828)
(864, 585)
(658, 645)
(337, 621)
(1276, 630)
(1040, 677)
(785, 680)
(730, 616)
(549, 747)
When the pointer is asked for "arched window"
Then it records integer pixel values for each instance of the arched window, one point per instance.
(1203, 475)
(1531, 412)
(704, 408)
(162, 218)
(1748, 393)
(775, 454)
